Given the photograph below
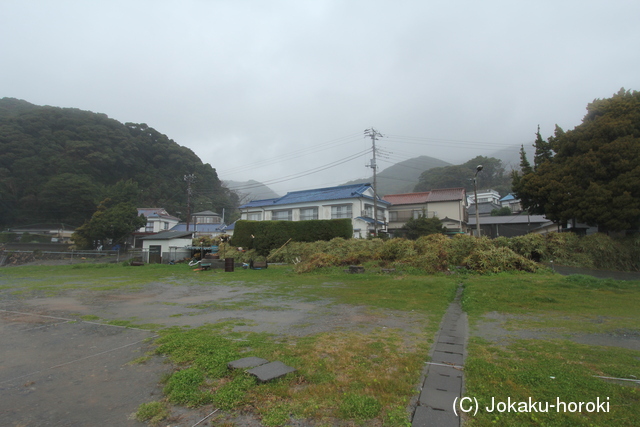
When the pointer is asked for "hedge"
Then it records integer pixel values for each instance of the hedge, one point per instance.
(263, 236)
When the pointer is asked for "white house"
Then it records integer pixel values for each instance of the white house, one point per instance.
(486, 196)
(158, 220)
(448, 204)
(166, 246)
(347, 201)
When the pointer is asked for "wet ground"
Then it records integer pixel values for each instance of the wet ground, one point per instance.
(59, 372)
(62, 365)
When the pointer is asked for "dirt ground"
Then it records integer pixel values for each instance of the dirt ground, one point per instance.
(57, 369)
(492, 328)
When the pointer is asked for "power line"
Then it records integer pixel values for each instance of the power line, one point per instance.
(291, 155)
(305, 173)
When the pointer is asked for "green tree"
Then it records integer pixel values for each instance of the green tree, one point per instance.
(110, 224)
(493, 176)
(56, 164)
(504, 211)
(422, 226)
(68, 198)
(591, 173)
(543, 151)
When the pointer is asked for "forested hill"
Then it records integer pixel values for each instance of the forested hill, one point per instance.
(57, 164)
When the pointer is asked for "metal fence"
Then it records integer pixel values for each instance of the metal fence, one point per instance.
(72, 255)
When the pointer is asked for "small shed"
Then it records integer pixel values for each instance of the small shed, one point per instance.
(167, 246)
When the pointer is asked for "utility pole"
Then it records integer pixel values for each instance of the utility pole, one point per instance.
(374, 135)
(189, 179)
(475, 196)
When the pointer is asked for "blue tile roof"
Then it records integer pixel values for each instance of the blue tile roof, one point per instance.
(316, 195)
(370, 220)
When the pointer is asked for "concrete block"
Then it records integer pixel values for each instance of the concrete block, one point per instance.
(429, 417)
(247, 362)
(271, 371)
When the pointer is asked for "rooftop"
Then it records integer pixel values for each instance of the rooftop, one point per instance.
(439, 195)
(315, 195)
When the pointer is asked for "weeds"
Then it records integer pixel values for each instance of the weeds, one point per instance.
(152, 412)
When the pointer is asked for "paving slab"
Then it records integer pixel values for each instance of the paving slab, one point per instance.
(429, 417)
(451, 348)
(444, 379)
(271, 371)
(456, 359)
(438, 399)
(247, 362)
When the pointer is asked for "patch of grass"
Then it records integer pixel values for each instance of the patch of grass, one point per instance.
(184, 387)
(236, 305)
(573, 303)
(152, 412)
(372, 374)
(548, 371)
(359, 406)
(90, 317)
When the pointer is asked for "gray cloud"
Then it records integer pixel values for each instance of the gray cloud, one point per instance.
(241, 81)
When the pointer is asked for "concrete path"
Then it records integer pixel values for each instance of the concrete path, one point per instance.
(444, 378)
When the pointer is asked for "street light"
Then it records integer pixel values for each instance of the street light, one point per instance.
(475, 197)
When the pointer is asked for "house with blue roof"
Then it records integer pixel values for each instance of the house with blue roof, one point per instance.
(510, 201)
(354, 201)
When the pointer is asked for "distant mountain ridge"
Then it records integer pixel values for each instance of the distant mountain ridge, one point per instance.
(403, 176)
(250, 190)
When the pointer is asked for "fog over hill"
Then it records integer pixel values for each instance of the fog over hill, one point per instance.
(250, 190)
(402, 177)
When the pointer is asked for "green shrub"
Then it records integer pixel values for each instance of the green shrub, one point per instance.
(397, 249)
(8, 237)
(319, 260)
(497, 260)
(462, 245)
(265, 236)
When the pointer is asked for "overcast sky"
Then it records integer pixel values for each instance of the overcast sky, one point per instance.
(273, 90)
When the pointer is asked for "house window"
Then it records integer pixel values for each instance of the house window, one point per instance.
(165, 225)
(308, 214)
(149, 228)
(281, 215)
(368, 211)
(341, 211)
(393, 216)
(255, 216)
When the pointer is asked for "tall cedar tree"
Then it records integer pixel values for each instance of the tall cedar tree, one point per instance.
(590, 174)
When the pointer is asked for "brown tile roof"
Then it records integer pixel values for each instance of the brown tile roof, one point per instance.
(407, 198)
(441, 195)
(446, 194)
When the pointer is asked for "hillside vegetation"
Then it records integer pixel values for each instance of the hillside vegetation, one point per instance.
(57, 164)
(402, 177)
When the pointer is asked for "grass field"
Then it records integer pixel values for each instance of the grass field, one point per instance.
(357, 376)
(557, 368)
